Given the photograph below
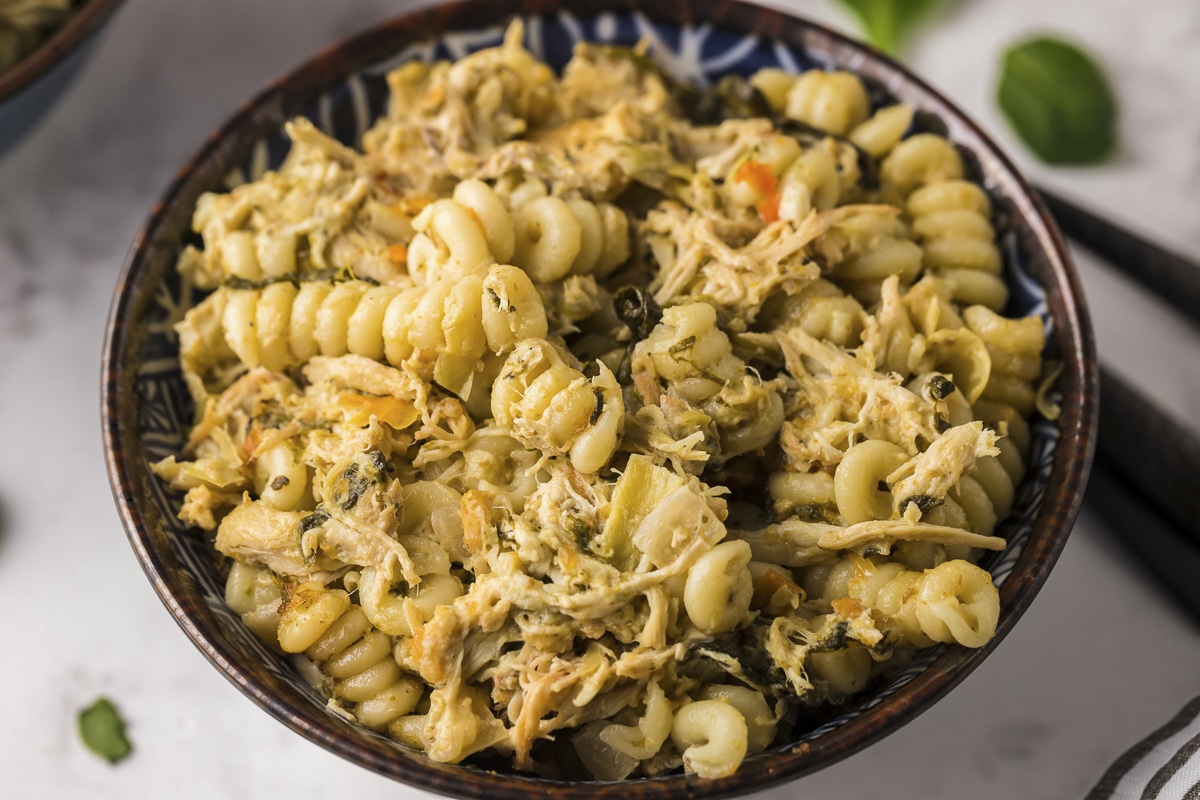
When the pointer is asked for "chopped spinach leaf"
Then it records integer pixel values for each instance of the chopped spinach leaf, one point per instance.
(1059, 102)
(103, 731)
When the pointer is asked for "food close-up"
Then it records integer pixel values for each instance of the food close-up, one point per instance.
(607, 400)
(600, 412)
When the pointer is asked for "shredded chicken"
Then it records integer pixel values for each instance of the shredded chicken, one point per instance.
(501, 402)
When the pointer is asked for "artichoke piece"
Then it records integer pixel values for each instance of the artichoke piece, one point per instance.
(639, 491)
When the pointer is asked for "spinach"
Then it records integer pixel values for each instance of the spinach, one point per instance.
(683, 345)
(732, 98)
(599, 408)
(637, 308)
(313, 520)
(356, 479)
(923, 502)
(1059, 101)
(939, 387)
(103, 731)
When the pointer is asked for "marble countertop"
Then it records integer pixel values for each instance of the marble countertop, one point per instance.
(1100, 659)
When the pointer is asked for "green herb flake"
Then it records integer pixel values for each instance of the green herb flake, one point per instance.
(599, 408)
(818, 512)
(923, 502)
(1059, 102)
(940, 387)
(887, 22)
(103, 731)
(637, 309)
(313, 520)
(682, 346)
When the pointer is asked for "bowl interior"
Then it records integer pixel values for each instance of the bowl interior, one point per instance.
(148, 410)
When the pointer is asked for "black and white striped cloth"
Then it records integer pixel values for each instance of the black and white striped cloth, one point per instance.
(1163, 766)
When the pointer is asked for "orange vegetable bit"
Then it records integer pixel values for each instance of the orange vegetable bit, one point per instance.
(398, 254)
(762, 180)
(768, 208)
(394, 411)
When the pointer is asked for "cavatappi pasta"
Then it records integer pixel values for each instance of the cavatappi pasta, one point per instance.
(601, 424)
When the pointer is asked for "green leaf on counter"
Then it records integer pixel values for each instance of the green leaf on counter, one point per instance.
(887, 22)
(1059, 101)
(103, 731)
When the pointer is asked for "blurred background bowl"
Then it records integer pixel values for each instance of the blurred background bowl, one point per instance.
(146, 409)
(30, 87)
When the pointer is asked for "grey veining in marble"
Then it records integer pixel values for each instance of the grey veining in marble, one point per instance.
(1100, 659)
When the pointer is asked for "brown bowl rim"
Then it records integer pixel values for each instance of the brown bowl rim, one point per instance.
(76, 29)
(1072, 454)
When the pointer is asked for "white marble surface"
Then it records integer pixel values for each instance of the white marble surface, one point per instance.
(1100, 659)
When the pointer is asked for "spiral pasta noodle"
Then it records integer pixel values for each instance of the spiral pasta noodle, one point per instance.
(835, 101)
(314, 214)
(919, 160)
(1015, 348)
(328, 628)
(696, 360)
(713, 737)
(547, 236)
(823, 311)
(553, 406)
(953, 602)
(880, 134)
(441, 330)
(877, 247)
(254, 594)
(952, 220)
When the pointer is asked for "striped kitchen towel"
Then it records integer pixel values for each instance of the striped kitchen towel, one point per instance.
(1163, 766)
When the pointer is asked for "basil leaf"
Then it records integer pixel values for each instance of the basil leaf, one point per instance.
(103, 731)
(1058, 101)
(886, 22)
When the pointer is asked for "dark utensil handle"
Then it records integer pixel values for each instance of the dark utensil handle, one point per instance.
(1145, 480)
(1173, 560)
(1172, 277)
(1158, 457)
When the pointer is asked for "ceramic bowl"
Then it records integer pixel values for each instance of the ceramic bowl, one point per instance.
(146, 409)
(31, 87)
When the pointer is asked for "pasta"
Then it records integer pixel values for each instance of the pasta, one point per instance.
(440, 330)
(713, 737)
(560, 427)
(553, 407)
(951, 219)
(337, 636)
(549, 237)
(950, 602)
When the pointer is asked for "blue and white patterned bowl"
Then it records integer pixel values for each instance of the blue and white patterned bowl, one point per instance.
(147, 410)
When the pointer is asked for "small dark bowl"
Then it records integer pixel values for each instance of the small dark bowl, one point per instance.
(146, 410)
(31, 86)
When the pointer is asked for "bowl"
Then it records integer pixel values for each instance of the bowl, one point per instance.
(31, 86)
(146, 409)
